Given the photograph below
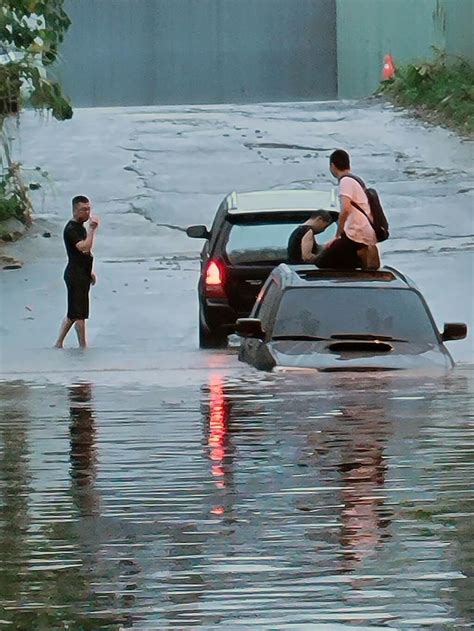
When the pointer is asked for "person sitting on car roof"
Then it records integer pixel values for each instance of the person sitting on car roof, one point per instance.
(355, 244)
(302, 246)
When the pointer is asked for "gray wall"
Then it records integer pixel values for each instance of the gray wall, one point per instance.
(459, 27)
(145, 52)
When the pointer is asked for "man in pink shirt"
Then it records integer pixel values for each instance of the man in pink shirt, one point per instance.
(355, 244)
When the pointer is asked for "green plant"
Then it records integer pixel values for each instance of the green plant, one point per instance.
(10, 205)
(31, 32)
(10, 85)
(14, 198)
(442, 88)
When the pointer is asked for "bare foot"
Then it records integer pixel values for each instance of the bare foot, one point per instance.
(58, 345)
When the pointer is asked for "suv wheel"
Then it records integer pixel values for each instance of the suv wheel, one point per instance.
(211, 338)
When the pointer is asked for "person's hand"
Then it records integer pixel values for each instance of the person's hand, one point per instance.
(93, 278)
(94, 222)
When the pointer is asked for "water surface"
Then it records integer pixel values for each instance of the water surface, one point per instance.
(265, 501)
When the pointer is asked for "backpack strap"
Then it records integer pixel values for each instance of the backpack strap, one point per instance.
(355, 204)
(358, 179)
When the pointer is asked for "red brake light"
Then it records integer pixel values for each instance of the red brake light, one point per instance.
(213, 274)
(214, 279)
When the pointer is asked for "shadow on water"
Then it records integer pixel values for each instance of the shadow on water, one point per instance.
(265, 501)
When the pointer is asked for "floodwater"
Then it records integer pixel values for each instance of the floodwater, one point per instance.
(268, 501)
(145, 484)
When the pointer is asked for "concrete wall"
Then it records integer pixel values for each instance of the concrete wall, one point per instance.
(408, 29)
(460, 27)
(146, 52)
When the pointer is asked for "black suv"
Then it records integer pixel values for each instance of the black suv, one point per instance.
(248, 238)
(335, 320)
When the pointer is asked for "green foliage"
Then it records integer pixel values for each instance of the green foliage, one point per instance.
(34, 26)
(14, 198)
(10, 204)
(441, 89)
(31, 31)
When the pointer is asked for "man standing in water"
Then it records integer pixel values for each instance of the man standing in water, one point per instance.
(78, 274)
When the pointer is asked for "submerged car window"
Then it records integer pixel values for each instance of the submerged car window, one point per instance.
(260, 242)
(325, 312)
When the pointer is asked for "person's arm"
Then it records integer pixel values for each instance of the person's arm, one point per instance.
(346, 208)
(307, 245)
(85, 246)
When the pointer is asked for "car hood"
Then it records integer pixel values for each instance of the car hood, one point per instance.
(358, 355)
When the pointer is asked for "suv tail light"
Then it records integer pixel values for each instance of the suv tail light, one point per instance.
(214, 279)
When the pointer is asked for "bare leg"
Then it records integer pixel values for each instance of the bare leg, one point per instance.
(64, 330)
(373, 257)
(369, 257)
(362, 256)
(80, 326)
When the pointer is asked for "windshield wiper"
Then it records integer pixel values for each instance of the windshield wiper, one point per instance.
(365, 336)
(310, 338)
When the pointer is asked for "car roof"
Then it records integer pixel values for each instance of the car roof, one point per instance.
(310, 276)
(282, 200)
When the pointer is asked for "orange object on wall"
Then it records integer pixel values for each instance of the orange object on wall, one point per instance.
(388, 70)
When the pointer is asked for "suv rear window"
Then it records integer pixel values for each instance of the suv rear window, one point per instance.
(265, 242)
(329, 311)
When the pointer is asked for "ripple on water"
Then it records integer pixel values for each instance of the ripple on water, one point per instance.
(273, 502)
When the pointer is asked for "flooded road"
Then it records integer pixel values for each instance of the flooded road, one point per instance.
(264, 501)
(146, 484)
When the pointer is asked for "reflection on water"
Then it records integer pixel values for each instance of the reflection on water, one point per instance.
(270, 501)
(83, 454)
(363, 467)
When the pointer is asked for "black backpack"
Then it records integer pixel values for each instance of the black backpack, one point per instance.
(380, 223)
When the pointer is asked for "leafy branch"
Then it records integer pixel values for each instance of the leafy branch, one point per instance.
(31, 32)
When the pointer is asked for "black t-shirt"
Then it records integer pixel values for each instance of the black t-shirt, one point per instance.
(79, 263)
(294, 244)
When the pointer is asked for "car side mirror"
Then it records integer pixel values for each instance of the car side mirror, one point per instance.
(250, 327)
(454, 331)
(198, 232)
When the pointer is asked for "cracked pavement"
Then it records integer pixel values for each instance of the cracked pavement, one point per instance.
(150, 172)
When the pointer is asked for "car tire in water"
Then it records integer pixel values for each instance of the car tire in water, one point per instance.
(211, 338)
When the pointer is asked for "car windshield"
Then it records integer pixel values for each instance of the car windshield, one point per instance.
(265, 242)
(345, 313)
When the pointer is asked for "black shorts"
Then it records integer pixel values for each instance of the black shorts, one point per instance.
(341, 255)
(77, 297)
